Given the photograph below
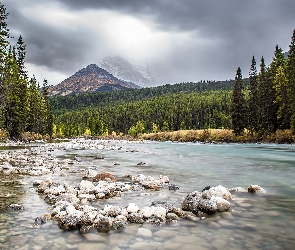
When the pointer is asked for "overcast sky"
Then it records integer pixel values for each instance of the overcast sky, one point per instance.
(187, 40)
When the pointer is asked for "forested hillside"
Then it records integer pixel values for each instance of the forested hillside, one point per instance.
(23, 107)
(101, 99)
(166, 112)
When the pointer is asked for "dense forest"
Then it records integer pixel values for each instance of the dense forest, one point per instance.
(260, 104)
(23, 107)
(101, 99)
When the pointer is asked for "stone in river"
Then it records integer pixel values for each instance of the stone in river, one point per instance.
(132, 208)
(144, 232)
(255, 189)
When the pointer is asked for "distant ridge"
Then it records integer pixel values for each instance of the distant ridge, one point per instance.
(90, 79)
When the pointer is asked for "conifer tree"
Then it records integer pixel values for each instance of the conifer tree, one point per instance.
(13, 108)
(4, 36)
(47, 112)
(21, 54)
(35, 107)
(238, 104)
(290, 73)
(253, 98)
(283, 113)
(278, 78)
(266, 100)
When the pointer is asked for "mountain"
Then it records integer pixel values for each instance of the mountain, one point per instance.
(121, 68)
(90, 79)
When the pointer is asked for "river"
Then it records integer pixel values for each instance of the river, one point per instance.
(256, 221)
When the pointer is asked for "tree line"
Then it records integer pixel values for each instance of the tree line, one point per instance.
(268, 103)
(174, 111)
(24, 106)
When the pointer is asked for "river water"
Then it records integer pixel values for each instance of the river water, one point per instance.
(257, 221)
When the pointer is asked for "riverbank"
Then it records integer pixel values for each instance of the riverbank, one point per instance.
(201, 135)
(220, 135)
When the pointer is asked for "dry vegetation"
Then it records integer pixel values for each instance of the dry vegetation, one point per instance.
(219, 135)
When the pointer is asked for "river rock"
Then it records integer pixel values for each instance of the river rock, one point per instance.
(85, 187)
(15, 206)
(68, 222)
(132, 208)
(104, 176)
(218, 191)
(135, 218)
(255, 189)
(89, 173)
(44, 185)
(144, 232)
(222, 204)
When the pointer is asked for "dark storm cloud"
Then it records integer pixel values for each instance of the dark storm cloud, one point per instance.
(223, 34)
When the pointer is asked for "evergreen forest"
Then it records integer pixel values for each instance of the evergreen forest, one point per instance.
(24, 106)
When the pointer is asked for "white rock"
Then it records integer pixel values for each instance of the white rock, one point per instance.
(159, 212)
(144, 232)
(222, 204)
(132, 208)
(70, 209)
(218, 191)
(147, 212)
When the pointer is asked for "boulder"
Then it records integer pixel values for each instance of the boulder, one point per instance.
(44, 185)
(255, 189)
(218, 191)
(132, 208)
(104, 176)
(222, 204)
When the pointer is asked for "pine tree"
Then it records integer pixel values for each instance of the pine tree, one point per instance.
(13, 108)
(4, 36)
(290, 73)
(21, 54)
(253, 98)
(283, 113)
(35, 107)
(47, 111)
(278, 78)
(265, 122)
(238, 104)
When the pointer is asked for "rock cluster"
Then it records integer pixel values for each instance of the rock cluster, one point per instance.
(209, 201)
(70, 211)
(34, 162)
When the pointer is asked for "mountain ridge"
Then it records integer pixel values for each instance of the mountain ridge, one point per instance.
(90, 79)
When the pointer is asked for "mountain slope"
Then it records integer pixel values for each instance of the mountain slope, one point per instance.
(90, 79)
(121, 68)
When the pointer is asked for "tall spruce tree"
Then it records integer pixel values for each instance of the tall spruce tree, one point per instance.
(252, 106)
(13, 108)
(238, 104)
(278, 78)
(266, 100)
(4, 36)
(290, 73)
(47, 112)
(35, 107)
(21, 54)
